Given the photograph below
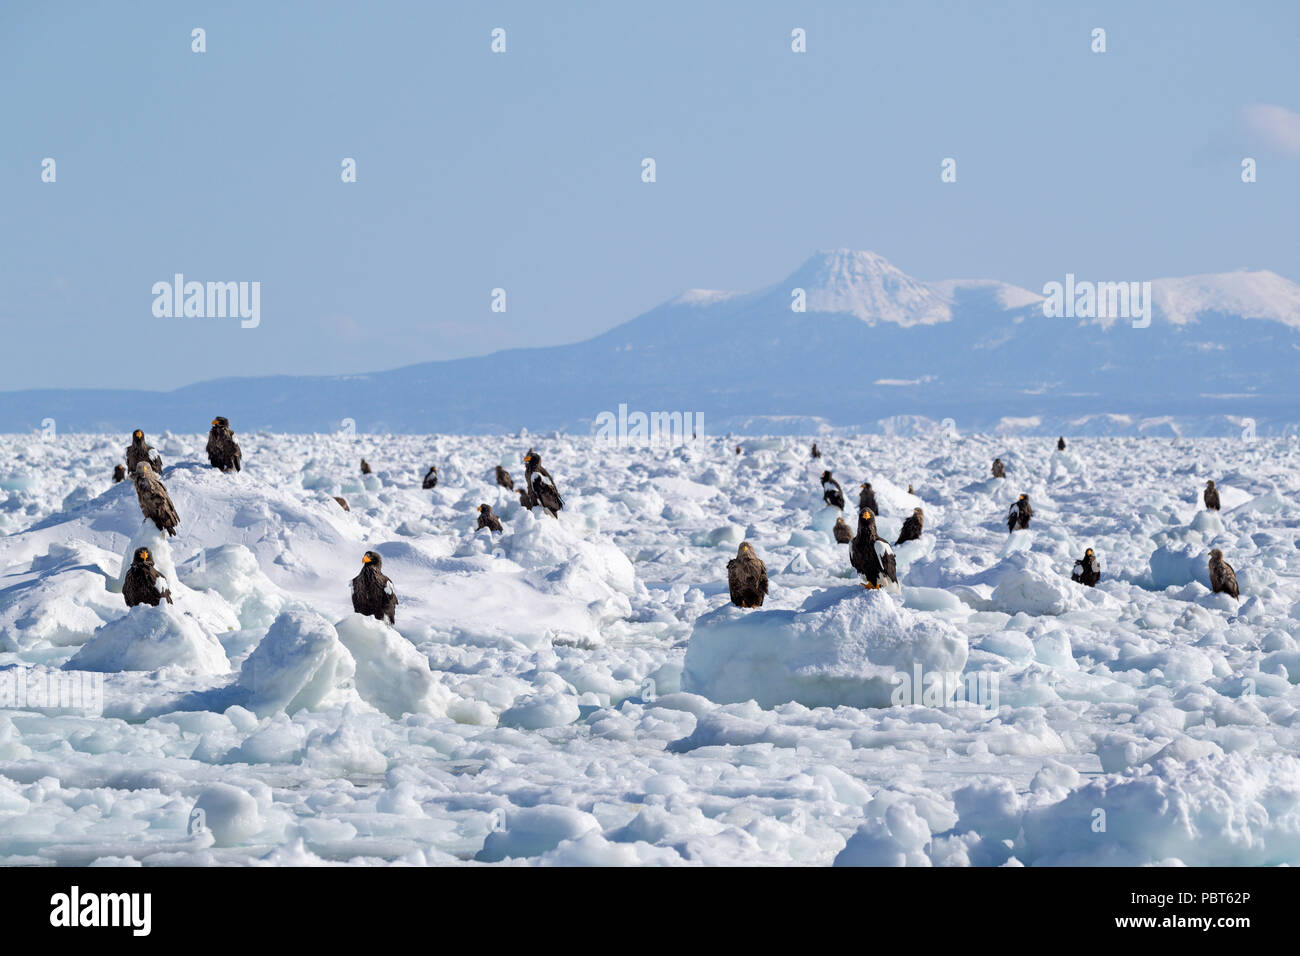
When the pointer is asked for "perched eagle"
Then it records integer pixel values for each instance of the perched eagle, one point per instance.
(223, 453)
(542, 485)
(144, 584)
(1222, 578)
(140, 450)
(504, 479)
(486, 519)
(372, 593)
(816, 452)
(910, 490)
(1060, 443)
(1019, 515)
(343, 503)
(747, 577)
(843, 533)
(365, 467)
(155, 503)
(737, 449)
(832, 493)
(1211, 496)
(872, 557)
(867, 499)
(1086, 570)
(998, 470)
(912, 527)
(430, 478)
(119, 473)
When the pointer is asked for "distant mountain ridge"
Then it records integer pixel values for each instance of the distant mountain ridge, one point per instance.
(874, 350)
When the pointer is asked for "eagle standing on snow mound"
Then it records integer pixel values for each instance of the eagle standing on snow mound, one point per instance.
(372, 593)
(816, 452)
(1222, 578)
(119, 474)
(870, 556)
(542, 485)
(430, 478)
(1019, 515)
(140, 450)
(912, 527)
(867, 499)
(486, 519)
(747, 577)
(155, 504)
(1211, 496)
(1086, 570)
(144, 584)
(998, 470)
(223, 453)
(1060, 443)
(504, 479)
(832, 493)
(843, 534)
(365, 467)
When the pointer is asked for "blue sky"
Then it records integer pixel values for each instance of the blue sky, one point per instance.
(522, 170)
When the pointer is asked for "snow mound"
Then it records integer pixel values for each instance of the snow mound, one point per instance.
(149, 639)
(391, 675)
(845, 646)
(1229, 810)
(299, 665)
(1033, 585)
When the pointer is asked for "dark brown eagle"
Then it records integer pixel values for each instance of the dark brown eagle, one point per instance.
(155, 503)
(343, 503)
(843, 533)
(999, 471)
(144, 584)
(119, 473)
(504, 479)
(912, 527)
(430, 478)
(1060, 443)
(223, 453)
(1211, 496)
(486, 519)
(1019, 515)
(1086, 570)
(872, 557)
(372, 593)
(867, 499)
(832, 493)
(1223, 580)
(365, 467)
(541, 484)
(140, 450)
(747, 577)
(816, 452)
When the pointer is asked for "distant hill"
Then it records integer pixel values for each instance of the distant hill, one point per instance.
(874, 350)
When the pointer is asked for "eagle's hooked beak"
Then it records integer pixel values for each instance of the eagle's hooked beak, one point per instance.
(214, 421)
(365, 559)
(145, 555)
(866, 513)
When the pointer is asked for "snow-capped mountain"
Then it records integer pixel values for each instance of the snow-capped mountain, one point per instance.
(873, 349)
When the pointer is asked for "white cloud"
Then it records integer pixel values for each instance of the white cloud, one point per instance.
(1279, 125)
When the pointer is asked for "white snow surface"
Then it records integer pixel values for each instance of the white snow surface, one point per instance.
(581, 691)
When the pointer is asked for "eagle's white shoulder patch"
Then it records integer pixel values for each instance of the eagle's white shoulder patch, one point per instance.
(882, 548)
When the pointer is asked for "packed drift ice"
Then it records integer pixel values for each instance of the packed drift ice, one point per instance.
(255, 650)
